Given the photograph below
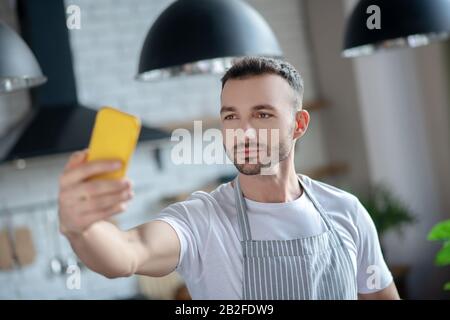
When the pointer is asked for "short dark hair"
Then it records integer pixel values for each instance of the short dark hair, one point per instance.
(254, 66)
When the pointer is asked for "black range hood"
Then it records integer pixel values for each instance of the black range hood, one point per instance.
(57, 122)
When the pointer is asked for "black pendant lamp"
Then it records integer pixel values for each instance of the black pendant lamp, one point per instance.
(19, 68)
(204, 36)
(402, 23)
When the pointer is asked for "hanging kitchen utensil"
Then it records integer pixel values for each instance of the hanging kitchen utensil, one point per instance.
(6, 251)
(56, 263)
(7, 257)
(24, 246)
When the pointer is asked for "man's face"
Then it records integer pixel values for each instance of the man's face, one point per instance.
(262, 107)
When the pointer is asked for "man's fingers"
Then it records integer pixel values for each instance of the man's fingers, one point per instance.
(98, 187)
(90, 218)
(76, 159)
(82, 172)
(100, 203)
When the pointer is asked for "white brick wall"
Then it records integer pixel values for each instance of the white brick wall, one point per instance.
(105, 63)
(288, 21)
(106, 52)
(106, 55)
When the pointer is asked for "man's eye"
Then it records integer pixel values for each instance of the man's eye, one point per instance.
(264, 115)
(229, 117)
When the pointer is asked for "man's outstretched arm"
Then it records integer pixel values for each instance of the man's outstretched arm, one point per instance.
(85, 205)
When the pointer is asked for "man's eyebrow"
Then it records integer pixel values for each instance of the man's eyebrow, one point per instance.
(254, 108)
(227, 109)
(264, 106)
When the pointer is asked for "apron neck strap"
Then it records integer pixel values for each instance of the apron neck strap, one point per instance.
(242, 209)
(316, 203)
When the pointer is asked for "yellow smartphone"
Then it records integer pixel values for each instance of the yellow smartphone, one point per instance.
(114, 137)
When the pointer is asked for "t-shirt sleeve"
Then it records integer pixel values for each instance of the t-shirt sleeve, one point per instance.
(185, 219)
(372, 272)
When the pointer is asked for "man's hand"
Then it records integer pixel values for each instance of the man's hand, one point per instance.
(83, 202)
(152, 248)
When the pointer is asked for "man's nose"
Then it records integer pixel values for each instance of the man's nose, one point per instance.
(248, 128)
(249, 131)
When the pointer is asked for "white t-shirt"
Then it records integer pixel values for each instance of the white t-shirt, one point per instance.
(211, 254)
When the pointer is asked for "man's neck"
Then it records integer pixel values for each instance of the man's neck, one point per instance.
(281, 186)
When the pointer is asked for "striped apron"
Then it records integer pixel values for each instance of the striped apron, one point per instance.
(316, 267)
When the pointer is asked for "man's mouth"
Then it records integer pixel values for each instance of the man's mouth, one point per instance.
(248, 151)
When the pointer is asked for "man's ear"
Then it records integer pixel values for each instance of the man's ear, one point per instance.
(301, 123)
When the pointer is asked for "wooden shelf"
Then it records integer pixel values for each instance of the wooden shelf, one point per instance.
(329, 170)
(315, 105)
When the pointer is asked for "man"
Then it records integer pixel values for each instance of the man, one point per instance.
(265, 235)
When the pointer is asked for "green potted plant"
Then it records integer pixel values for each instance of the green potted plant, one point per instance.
(389, 213)
(441, 232)
(386, 210)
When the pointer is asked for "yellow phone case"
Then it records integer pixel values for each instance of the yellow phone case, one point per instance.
(114, 137)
